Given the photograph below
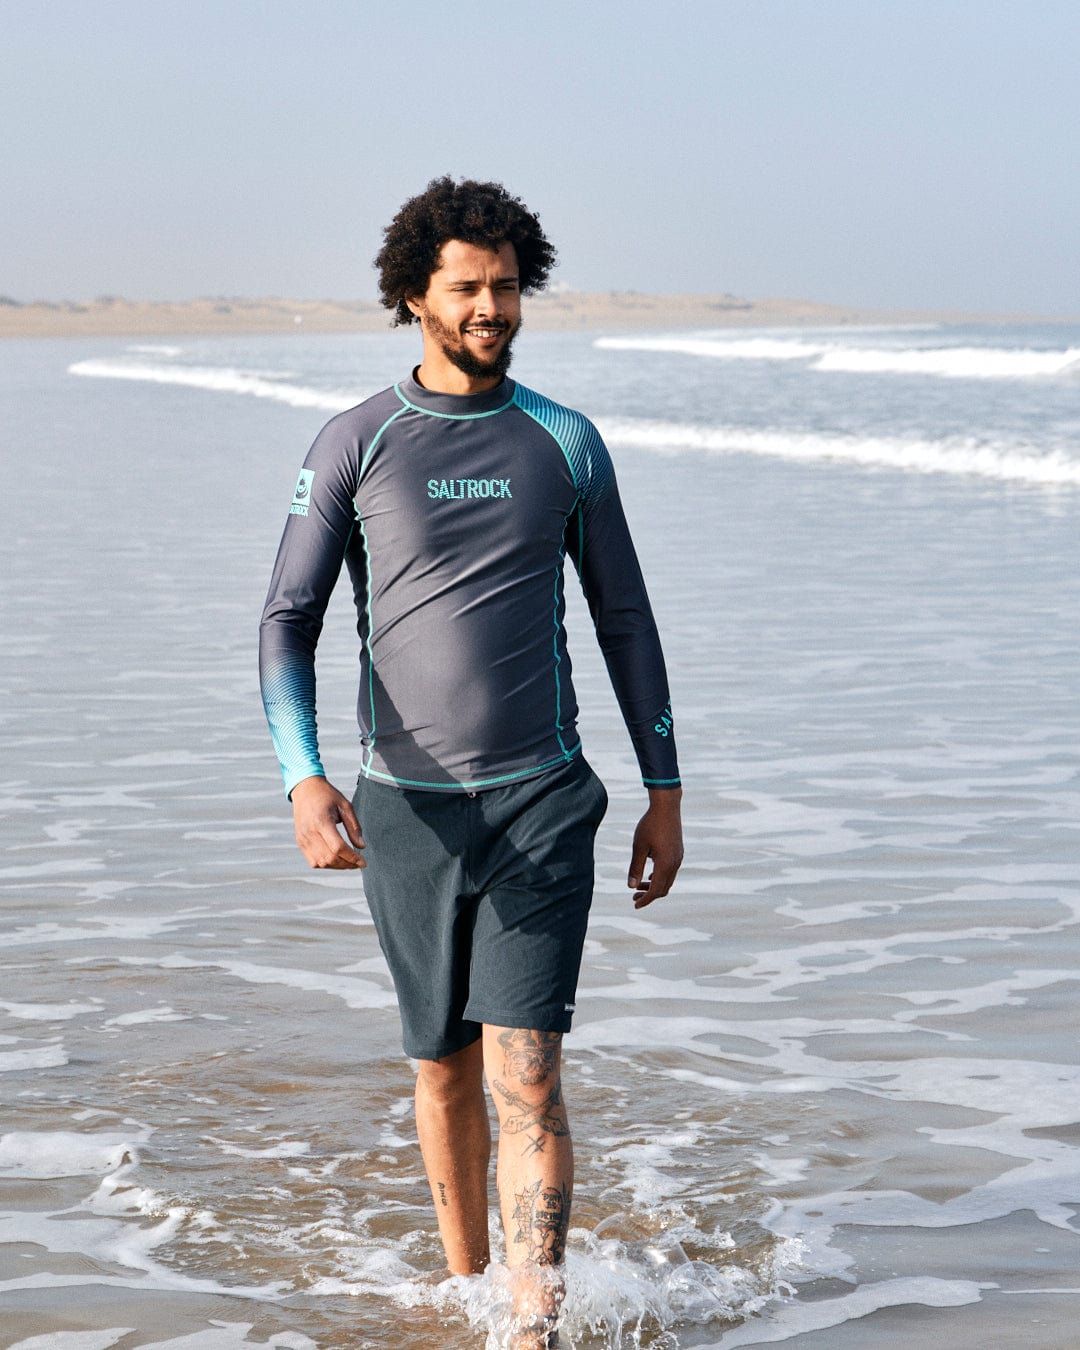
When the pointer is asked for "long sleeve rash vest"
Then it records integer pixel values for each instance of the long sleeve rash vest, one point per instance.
(453, 514)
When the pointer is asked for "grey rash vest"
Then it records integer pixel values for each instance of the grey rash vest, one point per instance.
(453, 514)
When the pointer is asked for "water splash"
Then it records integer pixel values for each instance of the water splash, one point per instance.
(630, 1284)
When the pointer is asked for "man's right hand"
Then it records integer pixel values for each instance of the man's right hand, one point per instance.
(318, 810)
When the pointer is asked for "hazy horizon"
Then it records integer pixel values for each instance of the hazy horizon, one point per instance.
(82, 302)
(916, 158)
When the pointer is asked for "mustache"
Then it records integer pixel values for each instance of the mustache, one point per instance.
(500, 325)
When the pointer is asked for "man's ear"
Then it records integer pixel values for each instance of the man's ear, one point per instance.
(414, 306)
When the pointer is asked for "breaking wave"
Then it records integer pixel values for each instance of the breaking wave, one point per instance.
(221, 380)
(951, 455)
(968, 363)
(967, 456)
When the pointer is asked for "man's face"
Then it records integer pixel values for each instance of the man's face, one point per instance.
(472, 307)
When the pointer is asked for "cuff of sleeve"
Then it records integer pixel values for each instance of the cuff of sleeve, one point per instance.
(291, 780)
(662, 782)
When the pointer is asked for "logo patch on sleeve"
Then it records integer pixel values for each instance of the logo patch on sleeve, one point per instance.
(302, 495)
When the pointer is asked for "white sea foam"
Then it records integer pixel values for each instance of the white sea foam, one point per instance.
(1014, 1097)
(957, 455)
(289, 1148)
(74, 1340)
(119, 1243)
(794, 1319)
(219, 379)
(47, 1012)
(741, 349)
(155, 349)
(994, 994)
(51, 1056)
(146, 1015)
(968, 363)
(108, 1230)
(655, 934)
(45, 869)
(353, 992)
(216, 1335)
(963, 363)
(230, 1336)
(111, 928)
(65, 1153)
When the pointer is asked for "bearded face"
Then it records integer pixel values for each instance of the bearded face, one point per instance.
(471, 311)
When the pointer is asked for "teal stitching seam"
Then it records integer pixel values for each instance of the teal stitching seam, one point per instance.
(367, 558)
(375, 441)
(370, 652)
(558, 573)
(555, 647)
(449, 417)
(477, 783)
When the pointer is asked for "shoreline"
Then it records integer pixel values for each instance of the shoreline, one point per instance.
(559, 311)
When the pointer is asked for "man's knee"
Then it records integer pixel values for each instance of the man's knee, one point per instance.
(523, 1070)
(528, 1059)
(454, 1078)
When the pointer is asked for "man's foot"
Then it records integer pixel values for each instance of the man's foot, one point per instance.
(538, 1333)
(537, 1294)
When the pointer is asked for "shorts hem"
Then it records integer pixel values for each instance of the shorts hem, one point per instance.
(550, 1019)
(444, 1049)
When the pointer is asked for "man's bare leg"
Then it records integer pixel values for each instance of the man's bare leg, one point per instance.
(535, 1169)
(455, 1140)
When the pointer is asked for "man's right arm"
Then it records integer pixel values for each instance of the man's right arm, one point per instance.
(317, 533)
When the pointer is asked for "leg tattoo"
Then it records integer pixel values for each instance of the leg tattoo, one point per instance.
(542, 1215)
(530, 1055)
(544, 1117)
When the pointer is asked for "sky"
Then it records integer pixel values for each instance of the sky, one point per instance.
(890, 153)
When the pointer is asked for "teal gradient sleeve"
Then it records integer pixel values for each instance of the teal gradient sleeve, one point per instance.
(598, 540)
(318, 530)
(288, 693)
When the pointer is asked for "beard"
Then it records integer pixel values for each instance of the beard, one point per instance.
(453, 347)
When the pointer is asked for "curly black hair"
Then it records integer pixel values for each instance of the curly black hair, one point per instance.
(477, 213)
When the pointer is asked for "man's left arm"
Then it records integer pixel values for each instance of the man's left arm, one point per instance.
(600, 544)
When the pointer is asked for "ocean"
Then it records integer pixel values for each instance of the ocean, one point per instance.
(826, 1094)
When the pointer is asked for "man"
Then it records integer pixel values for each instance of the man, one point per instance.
(452, 498)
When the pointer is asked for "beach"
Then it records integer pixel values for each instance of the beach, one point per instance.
(556, 310)
(825, 1095)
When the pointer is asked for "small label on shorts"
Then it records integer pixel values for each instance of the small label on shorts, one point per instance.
(570, 1007)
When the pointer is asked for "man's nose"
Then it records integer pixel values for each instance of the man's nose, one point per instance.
(487, 301)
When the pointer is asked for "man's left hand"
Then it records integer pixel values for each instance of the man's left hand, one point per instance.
(658, 836)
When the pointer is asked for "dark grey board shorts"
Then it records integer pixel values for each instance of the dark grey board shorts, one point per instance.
(481, 901)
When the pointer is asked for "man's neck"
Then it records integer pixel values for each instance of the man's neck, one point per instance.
(443, 377)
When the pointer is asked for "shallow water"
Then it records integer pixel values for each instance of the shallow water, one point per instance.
(827, 1093)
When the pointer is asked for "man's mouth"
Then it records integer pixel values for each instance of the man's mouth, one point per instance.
(487, 330)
